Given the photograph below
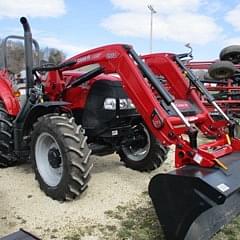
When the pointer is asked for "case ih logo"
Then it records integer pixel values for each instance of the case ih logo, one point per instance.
(182, 105)
(89, 58)
(192, 119)
(112, 55)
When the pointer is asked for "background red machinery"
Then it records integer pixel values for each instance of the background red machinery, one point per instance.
(226, 91)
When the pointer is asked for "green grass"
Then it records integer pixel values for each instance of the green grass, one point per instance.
(230, 231)
(138, 221)
(134, 221)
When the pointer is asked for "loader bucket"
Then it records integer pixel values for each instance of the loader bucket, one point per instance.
(193, 202)
(20, 235)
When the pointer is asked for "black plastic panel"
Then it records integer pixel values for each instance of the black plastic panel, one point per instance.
(20, 235)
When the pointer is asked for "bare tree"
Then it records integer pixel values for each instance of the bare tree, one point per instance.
(56, 56)
(15, 56)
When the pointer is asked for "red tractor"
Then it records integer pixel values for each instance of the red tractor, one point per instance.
(98, 104)
(193, 201)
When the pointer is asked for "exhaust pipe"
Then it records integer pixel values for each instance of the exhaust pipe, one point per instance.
(28, 53)
(19, 147)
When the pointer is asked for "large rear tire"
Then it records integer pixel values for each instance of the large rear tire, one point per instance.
(7, 158)
(60, 156)
(147, 155)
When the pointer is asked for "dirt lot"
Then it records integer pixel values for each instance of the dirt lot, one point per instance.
(22, 204)
(116, 206)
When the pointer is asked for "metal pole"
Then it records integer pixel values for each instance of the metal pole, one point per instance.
(151, 32)
(152, 11)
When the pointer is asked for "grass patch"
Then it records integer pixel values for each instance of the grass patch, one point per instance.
(133, 221)
(138, 221)
(230, 231)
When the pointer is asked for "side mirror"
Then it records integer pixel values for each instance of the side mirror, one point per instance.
(188, 45)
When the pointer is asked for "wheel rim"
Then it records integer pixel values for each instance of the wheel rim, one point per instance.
(138, 154)
(50, 171)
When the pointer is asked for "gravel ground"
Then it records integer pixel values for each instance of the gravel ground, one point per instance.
(23, 204)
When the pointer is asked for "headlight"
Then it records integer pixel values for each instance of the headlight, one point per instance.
(124, 104)
(110, 104)
(130, 104)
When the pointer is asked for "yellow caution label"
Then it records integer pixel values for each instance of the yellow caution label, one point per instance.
(17, 93)
(220, 164)
(228, 139)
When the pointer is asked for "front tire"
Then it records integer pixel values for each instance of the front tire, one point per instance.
(60, 156)
(146, 155)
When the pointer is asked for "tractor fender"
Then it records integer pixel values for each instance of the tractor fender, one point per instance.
(6, 95)
(41, 109)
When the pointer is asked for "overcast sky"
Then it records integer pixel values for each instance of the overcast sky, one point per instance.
(77, 25)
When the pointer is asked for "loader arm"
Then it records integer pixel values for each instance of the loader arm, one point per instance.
(164, 64)
(149, 96)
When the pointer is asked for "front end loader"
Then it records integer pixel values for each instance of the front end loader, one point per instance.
(202, 194)
(196, 199)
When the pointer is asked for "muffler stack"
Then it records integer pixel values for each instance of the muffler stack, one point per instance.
(195, 203)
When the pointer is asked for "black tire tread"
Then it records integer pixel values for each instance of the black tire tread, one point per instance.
(78, 161)
(156, 156)
(7, 159)
(226, 66)
(231, 53)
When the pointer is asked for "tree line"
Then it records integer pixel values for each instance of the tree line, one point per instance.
(16, 60)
